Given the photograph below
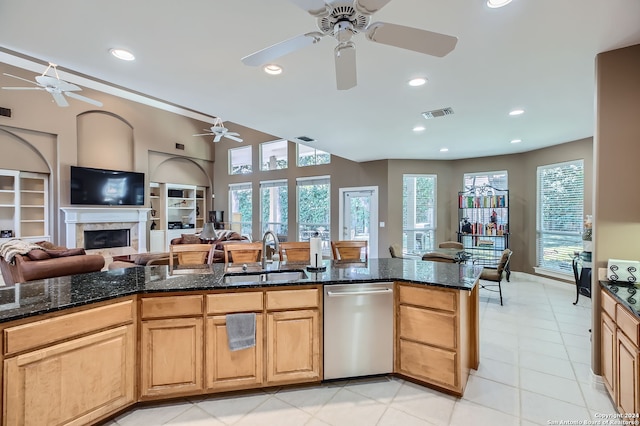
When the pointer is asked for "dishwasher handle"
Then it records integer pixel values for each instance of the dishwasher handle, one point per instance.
(358, 292)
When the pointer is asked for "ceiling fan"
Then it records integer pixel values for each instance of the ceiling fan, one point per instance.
(58, 88)
(342, 19)
(219, 131)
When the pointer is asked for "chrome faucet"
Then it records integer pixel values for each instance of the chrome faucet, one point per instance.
(264, 246)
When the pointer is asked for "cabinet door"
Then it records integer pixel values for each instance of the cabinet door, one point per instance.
(74, 382)
(608, 347)
(228, 369)
(171, 356)
(293, 346)
(626, 380)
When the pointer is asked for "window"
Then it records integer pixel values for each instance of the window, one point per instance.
(240, 161)
(308, 156)
(418, 213)
(241, 207)
(498, 180)
(314, 209)
(274, 207)
(560, 214)
(273, 155)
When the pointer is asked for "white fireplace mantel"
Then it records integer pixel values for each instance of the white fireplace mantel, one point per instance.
(92, 215)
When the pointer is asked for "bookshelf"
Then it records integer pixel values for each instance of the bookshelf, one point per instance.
(483, 223)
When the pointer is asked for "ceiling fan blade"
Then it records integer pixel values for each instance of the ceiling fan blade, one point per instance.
(233, 138)
(62, 85)
(369, 7)
(409, 38)
(83, 99)
(23, 88)
(317, 8)
(346, 75)
(270, 53)
(20, 78)
(205, 134)
(218, 137)
(60, 100)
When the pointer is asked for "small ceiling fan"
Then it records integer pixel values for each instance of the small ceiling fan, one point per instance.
(58, 88)
(342, 19)
(219, 131)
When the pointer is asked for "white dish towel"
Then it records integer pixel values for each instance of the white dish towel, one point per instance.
(241, 331)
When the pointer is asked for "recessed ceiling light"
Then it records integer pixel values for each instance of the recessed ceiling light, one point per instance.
(420, 81)
(273, 69)
(497, 3)
(516, 140)
(125, 55)
(516, 112)
(418, 128)
(444, 149)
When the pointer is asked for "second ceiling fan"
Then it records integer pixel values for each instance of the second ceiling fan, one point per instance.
(342, 19)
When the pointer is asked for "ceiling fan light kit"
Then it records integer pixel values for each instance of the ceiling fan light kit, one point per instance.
(342, 20)
(57, 88)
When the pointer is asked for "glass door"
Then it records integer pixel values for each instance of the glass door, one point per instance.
(359, 216)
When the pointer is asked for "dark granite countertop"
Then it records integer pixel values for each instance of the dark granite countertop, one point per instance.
(626, 294)
(55, 294)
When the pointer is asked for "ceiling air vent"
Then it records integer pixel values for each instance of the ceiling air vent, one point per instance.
(5, 112)
(437, 113)
(305, 139)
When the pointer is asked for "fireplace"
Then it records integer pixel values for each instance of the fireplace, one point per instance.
(106, 238)
(80, 221)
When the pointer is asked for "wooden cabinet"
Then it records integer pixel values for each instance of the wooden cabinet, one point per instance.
(24, 205)
(436, 335)
(293, 336)
(608, 336)
(59, 374)
(172, 339)
(620, 356)
(226, 369)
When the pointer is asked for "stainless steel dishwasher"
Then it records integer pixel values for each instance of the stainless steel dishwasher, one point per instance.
(358, 330)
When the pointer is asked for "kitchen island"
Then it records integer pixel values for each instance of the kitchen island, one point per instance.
(79, 349)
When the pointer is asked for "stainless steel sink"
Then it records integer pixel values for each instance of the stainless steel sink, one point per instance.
(263, 276)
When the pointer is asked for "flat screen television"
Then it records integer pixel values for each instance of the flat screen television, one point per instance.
(101, 187)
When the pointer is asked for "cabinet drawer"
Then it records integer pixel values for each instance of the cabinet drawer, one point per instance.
(431, 327)
(427, 363)
(173, 306)
(608, 304)
(43, 333)
(429, 298)
(234, 302)
(292, 299)
(628, 324)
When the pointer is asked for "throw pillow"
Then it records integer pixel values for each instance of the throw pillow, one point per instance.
(50, 246)
(38, 255)
(65, 253)
(190, 239)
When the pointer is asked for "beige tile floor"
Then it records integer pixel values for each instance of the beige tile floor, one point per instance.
(534, 369)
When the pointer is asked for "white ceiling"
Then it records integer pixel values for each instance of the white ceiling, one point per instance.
(538, 55)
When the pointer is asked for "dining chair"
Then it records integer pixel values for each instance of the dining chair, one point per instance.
(438, 257)
(349, 250)
(242, 252)
(451, 244)
(295, 251)
(495, 274)
(395, 250)
(189, 254)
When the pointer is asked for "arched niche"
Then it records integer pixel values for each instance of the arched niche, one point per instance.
(105, 140)
(177, 170)
(19, 153)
